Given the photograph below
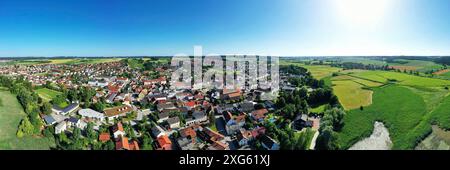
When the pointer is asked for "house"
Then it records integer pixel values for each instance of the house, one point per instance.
(134, 145)
(163, 116)
(244, 136)
(234, 123)
(73, 122)
(164, 143)
(122, 143)
(174, 122)
(49, 120)
(269, 143)
(91, 114)
(258, 131)
(157, 131)
(190, 104)
(259, 115)
(118, 130)
(111, 96)
(218, 145)
(165, 106)
(246, 107)
(198, 117)
(118, 111)
(104, 137)
(64, 111)
(60, 127)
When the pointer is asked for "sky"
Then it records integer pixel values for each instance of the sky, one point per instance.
(264, 27)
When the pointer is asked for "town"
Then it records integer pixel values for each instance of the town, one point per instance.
(129, 104)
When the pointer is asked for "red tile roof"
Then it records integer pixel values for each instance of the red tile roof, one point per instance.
(164, 142)
(104, 137)
(122, 143)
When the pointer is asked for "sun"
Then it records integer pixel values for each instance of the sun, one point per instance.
(362, 12)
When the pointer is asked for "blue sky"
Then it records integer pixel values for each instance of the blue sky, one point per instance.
(274, 27)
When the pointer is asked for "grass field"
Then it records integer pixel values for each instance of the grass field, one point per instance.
(399, 108)
(11, 113)
(401, 78)
(47, 94)
(317, 71)
(351, 94)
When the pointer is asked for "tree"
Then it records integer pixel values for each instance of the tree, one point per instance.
(76, 134)
(99, 106)
(25, 128)
(110, 145)
(147, 142)
(90, 133)
(46, 108)
(48, 132)
(326, 139)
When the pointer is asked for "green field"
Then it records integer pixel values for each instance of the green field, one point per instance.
(400, 78)
(351, 94)
(47, 94)
(11, 113)
(317, 71)
(400, 109)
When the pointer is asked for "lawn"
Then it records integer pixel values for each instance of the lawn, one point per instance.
(11, 113)
(318, 109)
(399, 108)
(47, 94)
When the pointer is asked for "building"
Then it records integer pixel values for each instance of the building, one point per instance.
(259, 115)
(64, 111)
(104, 137)
(174, 122)
(164, 143)
(122, 143)
(157, 131)
(91, 114)
(118, 111)
(49, 120)
(198, 117)
(60, 127)
(118, 130)
(269, 143)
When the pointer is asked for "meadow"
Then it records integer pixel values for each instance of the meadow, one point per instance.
(317, 71)
(400, 109)
(11, 113)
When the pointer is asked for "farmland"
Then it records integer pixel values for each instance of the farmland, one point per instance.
(398, 107)
(317, 71)
(10, 115)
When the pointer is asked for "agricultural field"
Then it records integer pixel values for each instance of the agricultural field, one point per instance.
(47, 94)
(415, 65)
(351, 94)
(63, 61)
(400, 78)
(408, 105)
(317, 71)
(11, 113)
(400, 109)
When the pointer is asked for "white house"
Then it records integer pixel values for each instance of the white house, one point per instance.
(61, 127)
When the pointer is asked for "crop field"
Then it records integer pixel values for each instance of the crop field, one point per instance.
(401, 78)
(317, 71)
(47, 94)
(400, 109)
(351, 94)
(11, 113)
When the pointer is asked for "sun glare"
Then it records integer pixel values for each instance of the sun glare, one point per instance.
(362, 12)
